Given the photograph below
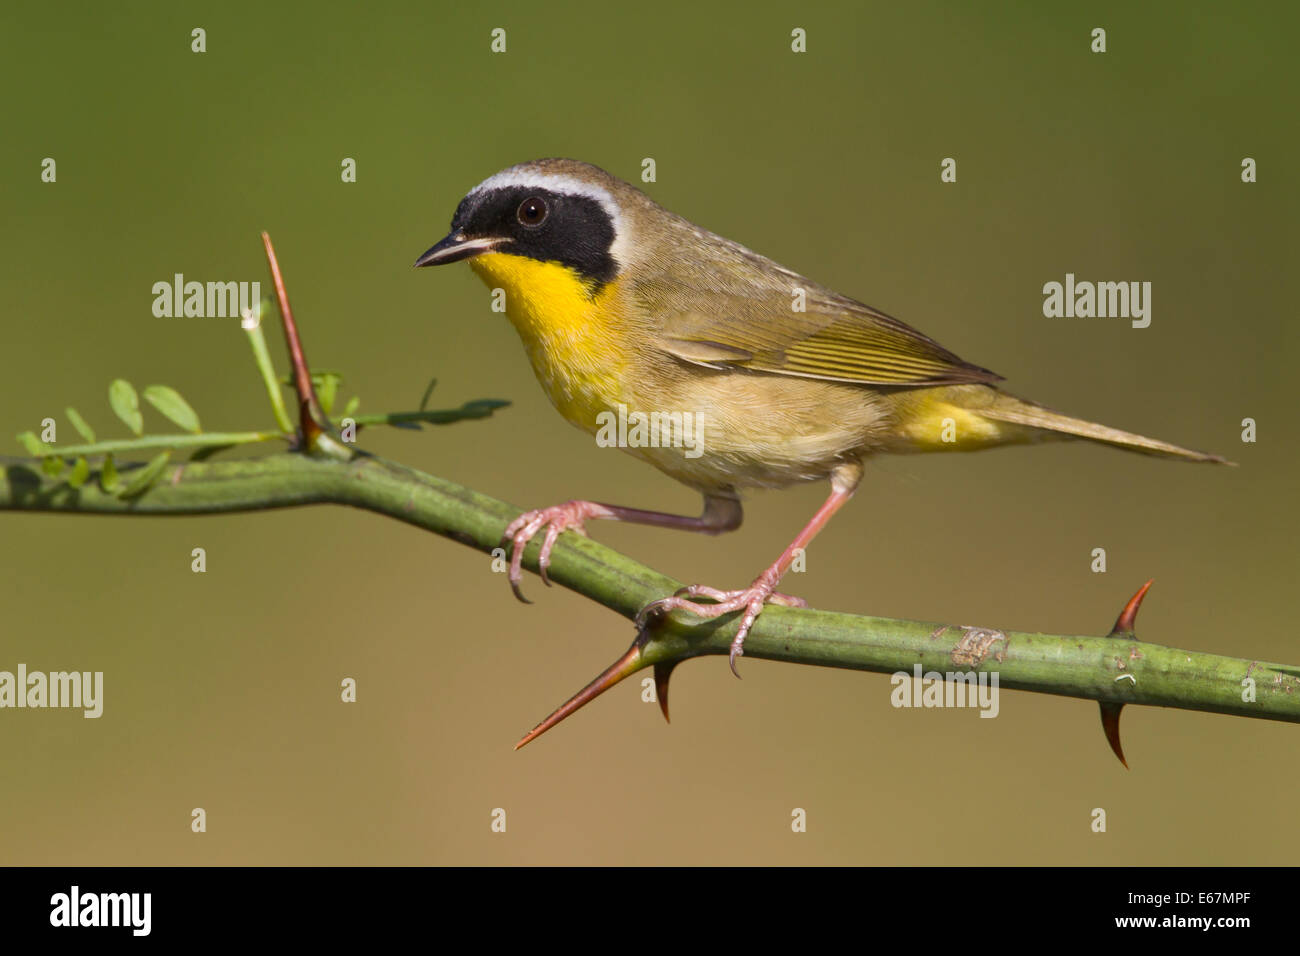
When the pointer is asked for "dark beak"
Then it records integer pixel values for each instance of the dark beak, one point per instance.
(455, 248)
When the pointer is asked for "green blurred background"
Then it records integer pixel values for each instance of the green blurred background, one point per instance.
(222, 688)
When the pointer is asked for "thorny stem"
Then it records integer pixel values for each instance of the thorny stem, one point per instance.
(1115, 670)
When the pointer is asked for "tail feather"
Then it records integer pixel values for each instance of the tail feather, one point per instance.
(1017, 411)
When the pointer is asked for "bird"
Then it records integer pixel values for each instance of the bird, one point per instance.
(721, 368)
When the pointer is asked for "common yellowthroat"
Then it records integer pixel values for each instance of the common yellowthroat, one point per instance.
(721, 368)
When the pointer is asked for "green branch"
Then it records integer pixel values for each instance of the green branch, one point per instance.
(1113, 670)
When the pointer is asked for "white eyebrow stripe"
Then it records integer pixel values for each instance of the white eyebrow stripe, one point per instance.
(565, 185)
(555, 182)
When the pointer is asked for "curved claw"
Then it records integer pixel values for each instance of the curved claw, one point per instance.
(519, 593)
(520, 531)
(737, 650)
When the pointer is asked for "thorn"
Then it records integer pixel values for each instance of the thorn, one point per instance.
(625, 666)
(311, 418)
(1124, 627)
(1128, 617)
(663, 671)
(1110, 714)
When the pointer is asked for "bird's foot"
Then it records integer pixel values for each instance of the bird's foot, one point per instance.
(751, 599)
(555, 519)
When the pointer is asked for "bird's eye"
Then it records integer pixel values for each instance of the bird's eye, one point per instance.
(532, 211)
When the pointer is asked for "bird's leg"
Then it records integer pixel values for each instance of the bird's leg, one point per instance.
(721, 513)
(844, 481)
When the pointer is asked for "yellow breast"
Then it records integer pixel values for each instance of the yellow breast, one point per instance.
(576, 341)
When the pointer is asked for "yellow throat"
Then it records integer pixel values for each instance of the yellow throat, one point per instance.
(571, 336)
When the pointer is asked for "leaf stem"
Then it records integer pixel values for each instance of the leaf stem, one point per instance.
(257, 339)
(165, 441)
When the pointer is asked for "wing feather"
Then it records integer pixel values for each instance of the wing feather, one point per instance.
(732, 308)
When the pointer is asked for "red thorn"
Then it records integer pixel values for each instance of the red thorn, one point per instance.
(625, 666)
(1110, 716)
(310, 415)
(1128, 617)
(663, 671)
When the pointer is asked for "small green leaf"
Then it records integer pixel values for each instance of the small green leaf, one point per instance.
(52, 465)
(108, 479)
(80, 472)
(327, 389)
(125, 402)
(80, 425)
(481, 405)
(351, 406)
(35, 447)
(169, 402)
(324, 381)
(143, 479)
